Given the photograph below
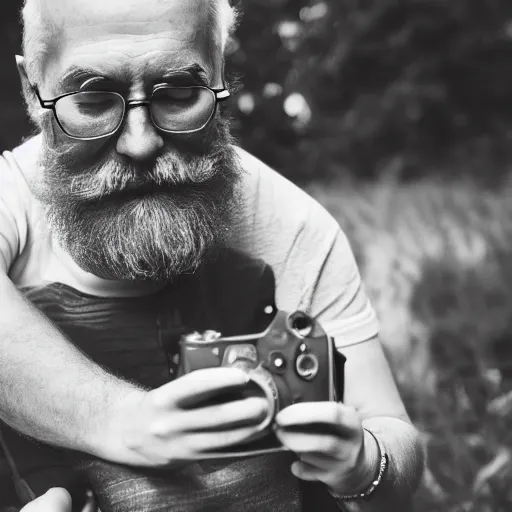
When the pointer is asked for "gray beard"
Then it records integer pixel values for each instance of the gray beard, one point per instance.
(122, 222)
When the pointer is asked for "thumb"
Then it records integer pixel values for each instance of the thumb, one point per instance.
(55, 500)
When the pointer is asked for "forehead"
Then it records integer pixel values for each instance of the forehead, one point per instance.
(134, 40)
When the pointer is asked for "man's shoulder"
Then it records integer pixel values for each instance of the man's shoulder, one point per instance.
(25, 155)
(258, 174)
(17, 169)
(304, 245)
(274, 207)
(18, 166)
(17, 212)
(271, 197)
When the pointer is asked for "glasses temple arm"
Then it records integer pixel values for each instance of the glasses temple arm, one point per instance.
(44, 104)
(222, 95)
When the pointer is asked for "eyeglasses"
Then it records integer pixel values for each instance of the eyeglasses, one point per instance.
(90, 115)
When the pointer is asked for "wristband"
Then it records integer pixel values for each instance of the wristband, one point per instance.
(365, 495)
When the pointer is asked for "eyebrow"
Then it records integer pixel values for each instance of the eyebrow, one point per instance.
(75, 77)
(197, 72)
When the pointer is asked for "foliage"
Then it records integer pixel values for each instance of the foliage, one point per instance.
(420, 84)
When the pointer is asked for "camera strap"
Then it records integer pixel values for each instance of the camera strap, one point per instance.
(339, 374)
(23, 491)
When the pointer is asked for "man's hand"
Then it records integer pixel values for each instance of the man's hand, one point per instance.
(177, 422)
(331, 444)
(58, 500)
(55, 500)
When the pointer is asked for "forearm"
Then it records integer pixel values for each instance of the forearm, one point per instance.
(406, 462)
(49, 390)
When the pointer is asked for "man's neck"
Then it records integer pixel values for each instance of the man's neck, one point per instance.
(91, 284)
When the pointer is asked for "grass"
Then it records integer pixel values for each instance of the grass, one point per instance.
(436, 259)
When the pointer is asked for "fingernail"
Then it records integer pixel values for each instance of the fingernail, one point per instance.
(246, 375)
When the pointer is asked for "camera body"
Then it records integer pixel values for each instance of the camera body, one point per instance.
(292, 361)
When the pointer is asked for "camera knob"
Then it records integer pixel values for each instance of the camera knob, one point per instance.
(277, 362)
(193, 337)
(300, 324)
(268, 310)
(307, 366)
(210, 335)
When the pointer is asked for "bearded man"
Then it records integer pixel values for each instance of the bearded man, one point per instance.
(132, 215)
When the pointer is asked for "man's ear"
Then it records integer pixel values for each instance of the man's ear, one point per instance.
(22, 71)
(28, 91)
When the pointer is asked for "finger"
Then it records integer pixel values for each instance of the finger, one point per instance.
(319, 417)
(198, 386)
(308, 472)
(319, 460)
(55, 500)
(247, 412)
(317, 444)
(204, 443)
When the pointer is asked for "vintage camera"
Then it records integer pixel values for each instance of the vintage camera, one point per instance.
(292, 361)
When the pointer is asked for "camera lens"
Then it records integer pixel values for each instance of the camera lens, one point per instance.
(245, 357)
(262, 384)
(301, 324)
(307, 366)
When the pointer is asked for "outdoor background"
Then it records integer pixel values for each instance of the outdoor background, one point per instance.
(397, 116)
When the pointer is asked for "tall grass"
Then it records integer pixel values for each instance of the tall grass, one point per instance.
(436, 259)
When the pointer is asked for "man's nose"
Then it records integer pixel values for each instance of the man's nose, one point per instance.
(139, 139)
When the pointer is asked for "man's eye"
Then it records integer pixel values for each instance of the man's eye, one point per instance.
(178, 94)
(94, 105)
(93, 100)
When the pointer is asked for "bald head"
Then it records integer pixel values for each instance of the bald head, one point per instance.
(45, 22)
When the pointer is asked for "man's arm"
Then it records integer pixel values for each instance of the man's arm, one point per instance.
(406, 462)
(55, 500)
(49, 390)
(372, 391)
(343, 455)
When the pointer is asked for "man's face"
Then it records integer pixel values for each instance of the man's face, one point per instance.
(141, 204)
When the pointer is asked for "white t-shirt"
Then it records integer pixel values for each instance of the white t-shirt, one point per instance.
(312, 261)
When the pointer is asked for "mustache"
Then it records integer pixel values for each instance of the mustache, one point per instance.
(168, 173)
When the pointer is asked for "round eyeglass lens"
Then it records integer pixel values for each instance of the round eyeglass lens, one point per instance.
(90, 114)
(182, 109)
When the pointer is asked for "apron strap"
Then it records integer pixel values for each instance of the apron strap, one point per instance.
(23, 491)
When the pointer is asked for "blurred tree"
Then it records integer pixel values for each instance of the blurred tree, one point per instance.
(14, 124)
(406, 85)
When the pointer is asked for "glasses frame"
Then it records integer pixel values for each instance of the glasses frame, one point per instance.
(220, 95)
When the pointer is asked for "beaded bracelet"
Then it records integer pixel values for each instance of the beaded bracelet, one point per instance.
(383, 465)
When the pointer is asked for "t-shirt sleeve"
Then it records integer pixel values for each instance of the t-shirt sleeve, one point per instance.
(324, 280)
(312, 260)
(338, 298)
(13, 211)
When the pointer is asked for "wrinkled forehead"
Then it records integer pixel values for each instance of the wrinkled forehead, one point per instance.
(135, 39)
